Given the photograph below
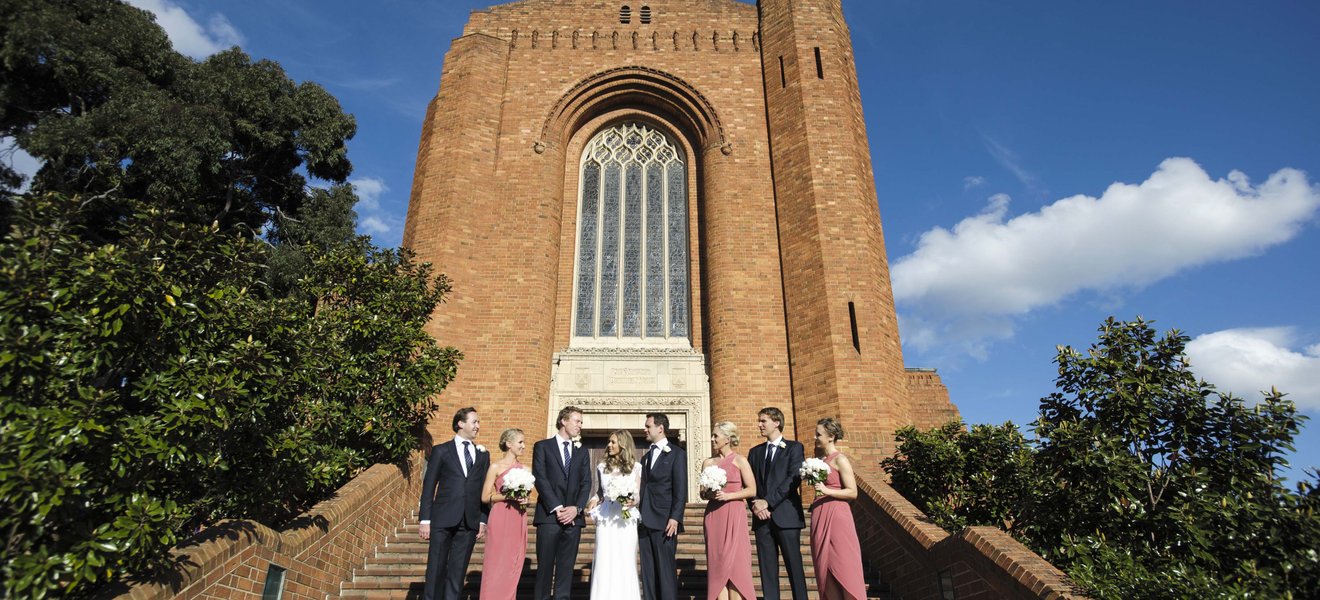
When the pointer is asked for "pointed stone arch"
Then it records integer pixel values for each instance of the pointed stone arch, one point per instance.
(651, 90)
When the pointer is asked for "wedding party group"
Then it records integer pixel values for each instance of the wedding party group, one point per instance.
(637, 511)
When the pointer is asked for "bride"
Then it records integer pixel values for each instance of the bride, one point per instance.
(614, 566)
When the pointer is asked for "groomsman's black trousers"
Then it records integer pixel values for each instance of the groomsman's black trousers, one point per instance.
(447, 562)
(556, 551)
(772, 541)
(659, 556)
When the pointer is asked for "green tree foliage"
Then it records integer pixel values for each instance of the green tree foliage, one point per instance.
(148, 389)
(976, 477)
(94, 89)
(188, 331)
(1142, 481)
(325, 220)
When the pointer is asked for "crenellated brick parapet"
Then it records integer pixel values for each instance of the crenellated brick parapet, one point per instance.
(615, 39)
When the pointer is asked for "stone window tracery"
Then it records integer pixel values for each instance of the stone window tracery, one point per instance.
(631, 275)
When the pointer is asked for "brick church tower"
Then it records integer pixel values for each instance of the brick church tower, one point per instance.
(664, 205)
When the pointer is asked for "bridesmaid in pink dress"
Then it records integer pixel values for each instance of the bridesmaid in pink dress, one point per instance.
(834, 547)
(728, 539)
(506, 527)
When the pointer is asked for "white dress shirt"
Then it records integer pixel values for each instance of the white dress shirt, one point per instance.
(660, 448)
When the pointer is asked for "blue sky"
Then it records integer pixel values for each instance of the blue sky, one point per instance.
(1039, 166)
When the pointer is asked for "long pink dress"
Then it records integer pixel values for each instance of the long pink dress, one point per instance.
(506, 546)
(728, 539)
(834, 547)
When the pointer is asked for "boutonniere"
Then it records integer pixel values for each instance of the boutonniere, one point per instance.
(577, 441)
(779, 444)
(481, 448)
(667, 449)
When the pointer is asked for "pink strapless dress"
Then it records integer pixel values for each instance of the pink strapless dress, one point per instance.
(834, 547)
(728, 539)
(506, 547)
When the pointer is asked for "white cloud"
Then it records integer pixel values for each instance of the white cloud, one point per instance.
(374, 226)
(1009, 159)
(990, 268)
(1249, 361)
(369, 191)
(973, 181)
(188, 36)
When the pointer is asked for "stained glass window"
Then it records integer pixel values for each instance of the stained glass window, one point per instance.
(631, 283)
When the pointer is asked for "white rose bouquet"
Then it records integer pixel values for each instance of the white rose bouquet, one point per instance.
(814, 471)
(518, 483)
(622, 490)
(712, 479)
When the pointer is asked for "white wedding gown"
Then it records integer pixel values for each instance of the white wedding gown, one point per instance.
(614, 566)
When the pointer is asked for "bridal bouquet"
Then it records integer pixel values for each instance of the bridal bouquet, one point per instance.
(622, 490)
(518, 483)
(814, 471)
(713, 479)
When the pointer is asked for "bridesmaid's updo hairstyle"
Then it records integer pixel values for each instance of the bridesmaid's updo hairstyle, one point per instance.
(506, 438)
(729, 430)
(832, 426)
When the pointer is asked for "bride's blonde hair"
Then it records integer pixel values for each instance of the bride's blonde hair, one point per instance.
(627, 455)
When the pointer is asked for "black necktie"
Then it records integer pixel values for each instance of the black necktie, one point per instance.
(566, 459)
(769, 455)
(467, 451)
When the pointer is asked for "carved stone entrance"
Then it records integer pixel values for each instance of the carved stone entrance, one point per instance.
(616, 387)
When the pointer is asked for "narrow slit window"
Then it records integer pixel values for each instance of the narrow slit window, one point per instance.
(783, 78)
(625, 14)
(852, 318)
(820, 69)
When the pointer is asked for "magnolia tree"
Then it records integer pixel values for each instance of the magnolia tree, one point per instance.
(1141, 481)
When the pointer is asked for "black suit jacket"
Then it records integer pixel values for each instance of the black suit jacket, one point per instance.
(781, 487)
(553, 488)
(664, 488)
(449, 497)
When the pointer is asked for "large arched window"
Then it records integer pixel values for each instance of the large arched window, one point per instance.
(631, 284)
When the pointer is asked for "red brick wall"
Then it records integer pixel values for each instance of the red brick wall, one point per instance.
(832, 247)
(495, 201)
(930, 406)
(319, 550)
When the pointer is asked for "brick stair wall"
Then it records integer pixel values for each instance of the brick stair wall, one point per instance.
(362, 543)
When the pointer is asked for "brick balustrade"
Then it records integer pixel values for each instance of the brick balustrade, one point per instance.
(920, 561)
(318, 550)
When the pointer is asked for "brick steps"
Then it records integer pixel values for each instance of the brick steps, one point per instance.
(397, 568)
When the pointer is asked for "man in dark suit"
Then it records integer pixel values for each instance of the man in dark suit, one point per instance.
(451, 513)
(663, 498)
(563, 484)
(777, 509)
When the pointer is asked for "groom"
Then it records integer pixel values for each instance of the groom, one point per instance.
(777, 508)
(563, 485)
(663, 498)
(451, 512)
